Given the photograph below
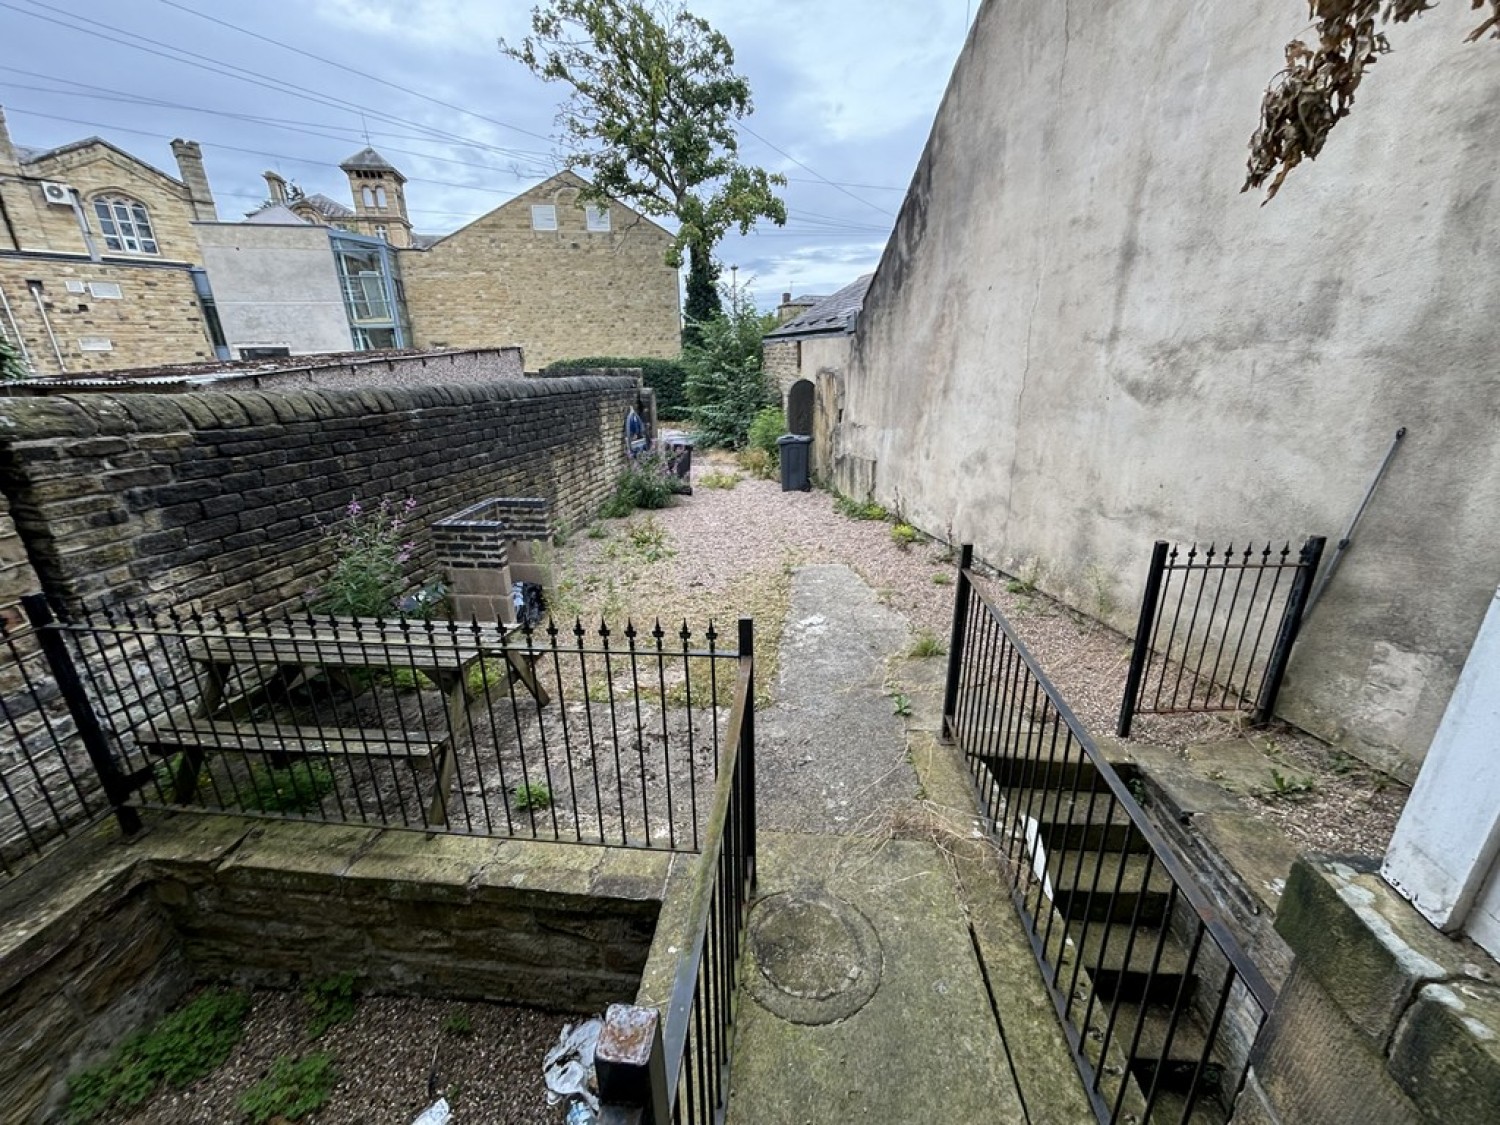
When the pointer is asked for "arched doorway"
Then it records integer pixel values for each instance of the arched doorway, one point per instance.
(799, 408)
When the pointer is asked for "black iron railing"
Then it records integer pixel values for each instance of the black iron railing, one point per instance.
(47, 788)
(569, 733)
(673, 1066)
(1159, 1003)
(1216, 629)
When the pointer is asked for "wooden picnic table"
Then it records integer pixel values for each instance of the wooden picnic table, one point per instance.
(245, 667)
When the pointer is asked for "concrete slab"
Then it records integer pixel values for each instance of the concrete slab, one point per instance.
(924, 1047)
(1242, 765)
(831, 755)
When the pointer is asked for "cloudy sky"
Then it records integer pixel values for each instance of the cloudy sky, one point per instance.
(845, 92)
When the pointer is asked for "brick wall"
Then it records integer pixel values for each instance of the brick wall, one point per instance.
(220, 499)
(558, 293)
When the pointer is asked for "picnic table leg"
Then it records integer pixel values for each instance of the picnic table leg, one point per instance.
(190, 768)
(455, 688)
(523, 668)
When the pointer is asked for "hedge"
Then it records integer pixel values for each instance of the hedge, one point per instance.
(664, 376)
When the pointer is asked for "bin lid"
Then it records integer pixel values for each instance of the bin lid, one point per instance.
(678, 437)
(794, 439)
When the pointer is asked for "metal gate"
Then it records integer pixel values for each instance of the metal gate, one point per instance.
(1216, 629)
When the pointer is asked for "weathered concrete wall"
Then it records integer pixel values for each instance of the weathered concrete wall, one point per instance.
(1083, 338)
(823, 361)
(224, 498)
(275, 286)
(556, 293)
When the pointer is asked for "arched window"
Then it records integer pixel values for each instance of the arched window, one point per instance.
(125, 225)
(380, 198)
(368, 195)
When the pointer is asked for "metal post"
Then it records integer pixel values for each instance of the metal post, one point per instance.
(956, 640)
(1286, 635)
(55, 649)
(631, 1066)
(747, 748)
(1142, 650)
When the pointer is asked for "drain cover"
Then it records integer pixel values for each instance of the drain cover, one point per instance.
(817, 959)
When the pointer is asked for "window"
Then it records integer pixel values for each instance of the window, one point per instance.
(95, 344)
(125, 225)
(105, 290)
(543, 217)
(380, 198)
(597, 219)
(380, 232)
(368, 195)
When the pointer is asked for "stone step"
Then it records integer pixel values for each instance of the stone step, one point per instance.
(1084, 888)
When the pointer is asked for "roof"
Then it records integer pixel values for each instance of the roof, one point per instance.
(276, 214)
(807, 299)
(25, 155)
(368, 160)
(323, 205)
(831, 314)
(423, 241)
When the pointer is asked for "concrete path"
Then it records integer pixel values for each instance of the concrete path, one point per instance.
(886, 979)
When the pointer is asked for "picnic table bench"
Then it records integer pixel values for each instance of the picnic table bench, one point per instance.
(242, 669)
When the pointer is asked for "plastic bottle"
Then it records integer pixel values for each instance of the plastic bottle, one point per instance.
(580, 1114)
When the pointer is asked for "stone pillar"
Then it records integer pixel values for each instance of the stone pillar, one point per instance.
(471, 547)
(190, 164)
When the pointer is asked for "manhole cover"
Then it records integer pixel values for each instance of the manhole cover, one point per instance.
(817, 959)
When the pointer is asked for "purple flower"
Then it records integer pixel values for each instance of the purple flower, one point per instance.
(354, 508)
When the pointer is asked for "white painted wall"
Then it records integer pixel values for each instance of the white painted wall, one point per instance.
(1082, 337)
(275, 286)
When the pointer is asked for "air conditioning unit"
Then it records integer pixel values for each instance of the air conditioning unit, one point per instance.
(60, 194)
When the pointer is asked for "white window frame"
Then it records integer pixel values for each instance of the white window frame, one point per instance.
(125, 225)
(596, 219)
(380, 198)
(543, 216)
(95, 344)
(381, 232)
(106, 290)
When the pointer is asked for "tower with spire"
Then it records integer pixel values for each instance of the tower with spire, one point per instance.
(379, 193)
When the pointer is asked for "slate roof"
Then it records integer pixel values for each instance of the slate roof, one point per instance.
(368, 160)
(423, 241)
(323, 205)
(832, 314)
(277, 214)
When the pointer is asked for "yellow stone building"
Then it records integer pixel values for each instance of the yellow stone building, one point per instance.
(98, 260)
(561, 278)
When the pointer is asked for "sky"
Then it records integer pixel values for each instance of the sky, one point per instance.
(845, 94)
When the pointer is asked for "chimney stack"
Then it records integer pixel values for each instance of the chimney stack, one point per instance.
(190, 165)
(277, 186)
(9, 164)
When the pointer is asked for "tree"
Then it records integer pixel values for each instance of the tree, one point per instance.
(726, 384)
(651, 121)
(11, 365)
(1316, 90)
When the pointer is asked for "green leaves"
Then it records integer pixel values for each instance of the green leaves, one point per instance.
(652, 111)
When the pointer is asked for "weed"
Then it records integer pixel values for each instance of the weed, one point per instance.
(1284, 786)
(371, 549)
(459, 1025)
(757, 462)
(900, 704)
(291, 1090)
(331, 1002)
(650, 539)
(926, 645)
(531, 795)
(1025, 580)
(597, 531)
(294, 788)
(767, 425)
(1102, 586)
(718, 478)
(942, 578)
(858, 509)
(409, 679)
(904, 535)
(176, 1051)
(647, 483)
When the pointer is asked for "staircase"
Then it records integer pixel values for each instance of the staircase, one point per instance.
(1122, 951)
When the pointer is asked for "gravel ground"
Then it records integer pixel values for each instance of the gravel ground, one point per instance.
(383, 1056)
(720, 554)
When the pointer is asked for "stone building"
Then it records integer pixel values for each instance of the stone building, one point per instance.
(556, 276)
(98, 262)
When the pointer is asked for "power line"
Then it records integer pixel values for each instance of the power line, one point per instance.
(812, 171)
(351, 70)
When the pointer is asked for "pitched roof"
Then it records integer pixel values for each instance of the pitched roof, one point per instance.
(323, 205)
(831, 314)
(423, 241)
(25, 155)
(368, 160)
(276, 214)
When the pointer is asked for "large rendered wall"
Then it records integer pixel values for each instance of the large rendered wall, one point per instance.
(1082, 337)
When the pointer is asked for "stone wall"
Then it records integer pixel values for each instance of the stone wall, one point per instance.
(823, 361)
(156, 319)
(107, 937)
(555, 293)
(222, 499)
(1082, 337)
